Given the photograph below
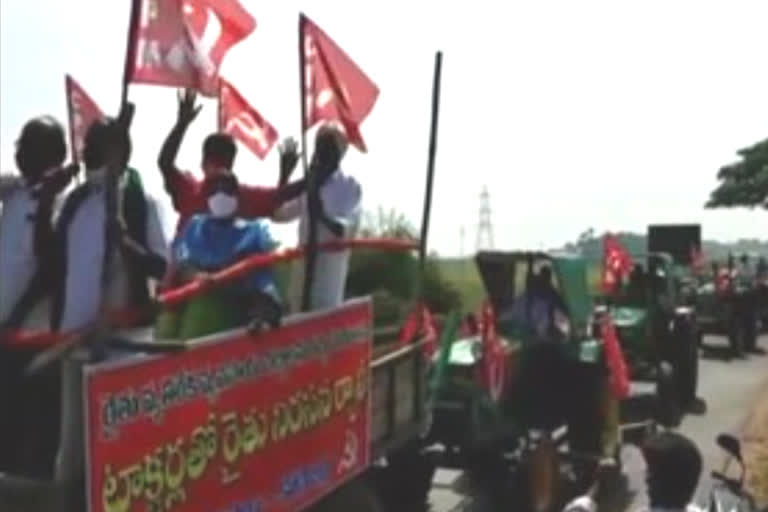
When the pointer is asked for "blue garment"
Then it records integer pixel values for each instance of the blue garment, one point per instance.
(210, 244)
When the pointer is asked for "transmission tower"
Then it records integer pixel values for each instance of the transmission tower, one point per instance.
(484, 224)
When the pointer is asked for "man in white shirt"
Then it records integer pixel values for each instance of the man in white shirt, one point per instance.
(141, 249)
(28, 203)
(337, 202)
(29, 426)
(673, 468)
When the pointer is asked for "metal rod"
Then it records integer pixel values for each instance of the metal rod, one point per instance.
(311, 243)
(430, 172)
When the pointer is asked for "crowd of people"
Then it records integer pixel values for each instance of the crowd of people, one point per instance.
(67, 258)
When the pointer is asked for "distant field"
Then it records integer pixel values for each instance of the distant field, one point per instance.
(462, 273)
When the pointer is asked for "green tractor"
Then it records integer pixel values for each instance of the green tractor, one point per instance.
(729, 303)
(658, 333)
(656, 320)
(507, 395)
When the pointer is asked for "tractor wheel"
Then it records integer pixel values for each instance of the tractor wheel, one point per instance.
(540, 475)
(668, 412)
(735, 336)
(407, 478)
(749, 331)
(355, 496)
(685, 361)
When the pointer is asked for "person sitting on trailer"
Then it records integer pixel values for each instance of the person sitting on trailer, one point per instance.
(219, 151)
(141, 249)
(213, 241)
(29, 425)
(337, 203)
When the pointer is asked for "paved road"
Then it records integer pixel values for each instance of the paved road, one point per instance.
(729, 390)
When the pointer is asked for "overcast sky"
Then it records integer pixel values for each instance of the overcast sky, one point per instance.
(606, 114)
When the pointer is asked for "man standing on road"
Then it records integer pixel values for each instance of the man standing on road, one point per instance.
(673, 470)
(219, 151)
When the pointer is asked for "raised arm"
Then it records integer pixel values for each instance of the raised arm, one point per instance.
(289, 157)
(166, 161)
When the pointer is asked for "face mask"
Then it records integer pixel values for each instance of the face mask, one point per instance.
(99, 177)
(222, 205)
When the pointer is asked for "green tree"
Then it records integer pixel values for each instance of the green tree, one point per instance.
(743, 183)
(391, 276)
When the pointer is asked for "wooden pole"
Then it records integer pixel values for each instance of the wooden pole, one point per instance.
(430, 173)
(311, 188)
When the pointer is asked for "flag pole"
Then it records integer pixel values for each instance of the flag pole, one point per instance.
(71, 123)
(311, 244)
(430, 173)
(219, 118)
(130, 49)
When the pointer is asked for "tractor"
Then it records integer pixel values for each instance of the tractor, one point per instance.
(507, 393)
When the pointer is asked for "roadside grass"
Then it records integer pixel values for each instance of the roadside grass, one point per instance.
(755, 450)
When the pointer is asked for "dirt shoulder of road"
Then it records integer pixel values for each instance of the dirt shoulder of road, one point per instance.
(755, 448)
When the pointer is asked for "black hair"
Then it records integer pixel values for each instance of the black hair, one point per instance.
(330, 147)
(101, 137)
(674, 468)
(41, 146)
(225, 181)
(221, 148)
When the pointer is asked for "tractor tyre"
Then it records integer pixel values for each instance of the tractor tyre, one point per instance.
(668, 411)
(355, 496)
(735, 336)
(750, 331)
(685, 361)
(539, 473)
(407, 478)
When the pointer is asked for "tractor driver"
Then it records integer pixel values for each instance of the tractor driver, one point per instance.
(555, 311)
(637, 283)
(541, 310)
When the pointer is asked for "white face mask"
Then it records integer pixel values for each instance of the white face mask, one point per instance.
(99, 177)
(222, 205)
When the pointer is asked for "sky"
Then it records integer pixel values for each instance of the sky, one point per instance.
(599, 113)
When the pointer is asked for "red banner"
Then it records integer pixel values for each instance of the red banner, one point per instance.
(83, 111)
(182, 43)
(336, 89)
(239, 119)
(270, 422)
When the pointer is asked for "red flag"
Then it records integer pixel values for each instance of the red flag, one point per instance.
(242, 121)
(430, 332)
(614, 358)
(336, 89)
(182, 43)
(494, 369)
(617, 263)
(82, 112)
(420, 322)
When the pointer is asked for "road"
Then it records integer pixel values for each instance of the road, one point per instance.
(729, 388)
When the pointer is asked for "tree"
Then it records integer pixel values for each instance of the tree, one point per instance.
(743, 183)
(390, 276)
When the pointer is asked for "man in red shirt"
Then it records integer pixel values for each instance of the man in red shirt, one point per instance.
(219, 150)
